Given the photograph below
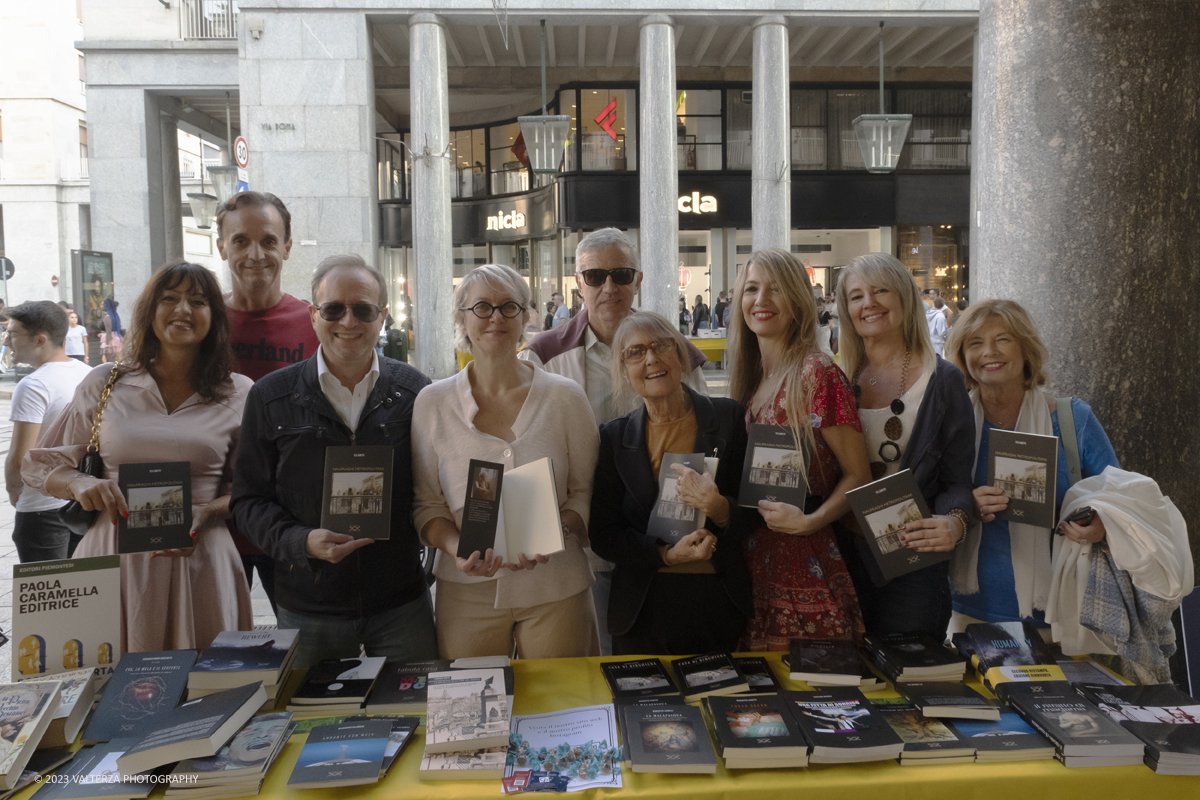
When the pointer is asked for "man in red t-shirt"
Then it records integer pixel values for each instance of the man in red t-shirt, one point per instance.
(268, 329)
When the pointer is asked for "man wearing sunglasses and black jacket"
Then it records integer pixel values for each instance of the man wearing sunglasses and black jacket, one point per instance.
(339, 590)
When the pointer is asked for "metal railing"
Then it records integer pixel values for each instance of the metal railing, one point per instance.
(208, 19)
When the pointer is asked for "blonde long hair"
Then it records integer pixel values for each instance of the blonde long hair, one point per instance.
(790, 278)
(885, 272)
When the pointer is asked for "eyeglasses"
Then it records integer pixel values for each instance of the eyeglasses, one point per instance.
(363, 312)
(485, 310)
(637, 353)
(621, 276)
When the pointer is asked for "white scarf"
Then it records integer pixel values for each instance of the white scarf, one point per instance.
(1030, 545)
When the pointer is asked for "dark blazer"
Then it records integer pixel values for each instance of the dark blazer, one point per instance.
(624, 493)
(941, 448)
(280, 476)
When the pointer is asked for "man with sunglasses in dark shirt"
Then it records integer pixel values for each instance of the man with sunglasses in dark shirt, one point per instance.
(608, 276)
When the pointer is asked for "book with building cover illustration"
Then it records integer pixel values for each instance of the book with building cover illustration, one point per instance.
(357, 498)
(1025, 467)
(668, 739)
(926, 740)
(236, 658)
(338, 681)
(842, 727)
(159, 497)
(882, 508)
(512, 511)
(79, 688)
(1008, 738)
(832, 662)
(459, 765)
(245, 757)
(1076, 727)
(640, 678)
(400, 687)
(775, 468)
(904, 656)
(25, 712)
(752, 728)
(759, 675)
(144, 687)
(66, 615)
(346, 754)
(949, 699)
(1150, 703)
(672, 519)
(577, 745)
(467, 710)
(1171, 748)
(708, 674)
(196, 729)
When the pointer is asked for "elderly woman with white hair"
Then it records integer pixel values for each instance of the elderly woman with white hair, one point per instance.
(504, 410)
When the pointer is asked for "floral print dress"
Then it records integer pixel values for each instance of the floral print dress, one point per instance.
(800, 583)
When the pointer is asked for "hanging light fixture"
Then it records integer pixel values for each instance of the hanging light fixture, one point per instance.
(881, 136)
(545, 134)
(204, 205)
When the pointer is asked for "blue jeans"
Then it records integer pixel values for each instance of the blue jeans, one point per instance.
(405, 633)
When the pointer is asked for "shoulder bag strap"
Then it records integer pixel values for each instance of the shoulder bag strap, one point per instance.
(1066, 424)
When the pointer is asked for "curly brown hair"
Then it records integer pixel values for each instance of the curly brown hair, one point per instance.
(214, 362)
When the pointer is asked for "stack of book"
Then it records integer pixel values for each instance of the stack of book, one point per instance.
(350, 753)
(756, 732)
(904, 657)
(1007, 739)
(143, 687)
(239, 768)
(1082, 735)
(336, 686)
(466, 725)
(79, 688)
(708, 675)
(926, 741)
(829, 662)
(949, 700)
(237, 658)
(667, 738)
(1162, 716)
(842, 727)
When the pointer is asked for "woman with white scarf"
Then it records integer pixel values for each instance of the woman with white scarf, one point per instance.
(1003, 571)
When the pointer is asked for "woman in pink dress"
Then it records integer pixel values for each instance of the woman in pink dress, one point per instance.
(800, 584)
(175, 399)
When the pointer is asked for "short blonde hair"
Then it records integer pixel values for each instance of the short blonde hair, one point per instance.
(1020, 325)
(624, 399)
(498, 277)
(886, 272)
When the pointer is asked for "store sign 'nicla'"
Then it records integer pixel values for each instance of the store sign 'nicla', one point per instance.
(502, 221)
(695, 204)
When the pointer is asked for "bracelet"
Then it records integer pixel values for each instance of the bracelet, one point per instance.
(963, 519)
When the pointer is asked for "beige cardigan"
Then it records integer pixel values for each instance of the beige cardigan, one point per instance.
(556, 421)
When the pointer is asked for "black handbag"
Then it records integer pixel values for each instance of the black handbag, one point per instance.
(73, 515)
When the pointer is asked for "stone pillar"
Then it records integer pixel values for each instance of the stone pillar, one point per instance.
(172, 197)
(1084, 186)
(771, 198)
(658, 171)
(433, 250)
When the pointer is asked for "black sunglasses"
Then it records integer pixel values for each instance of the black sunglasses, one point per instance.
(363, 312)
(621, 276)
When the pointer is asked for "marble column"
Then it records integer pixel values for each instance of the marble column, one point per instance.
(1084, 183)
(658, 170)
(433, 250)
(771, 197)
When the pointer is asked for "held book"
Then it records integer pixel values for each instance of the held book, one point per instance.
(400, 687)
(144, 687)
(1076, 727)
(79, 688)
(25, 710)
(752, 728)
(641, 678)
(832, 662)
(236, 658)
(66, 615)
(842, 726)
(775, 468)
(467, 710)
(882, 509)
(709, 674)
(357, 498)
(197, 729)
(159, 497)
(672, 519)
(514, 511)
(1025, 467)
(758, 674)
(668, 739)
(347, 754)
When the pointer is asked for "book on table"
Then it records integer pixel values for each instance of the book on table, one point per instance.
(669, 738)
(341, 682)
(842, 727)
(25, 710)
(236, 658)
(457, 765)
(672, 519)
(514, 512)
(196, 729)
(914, 656)
(1025, 467)
(346, 754)
(882, 509)
(774, 469)
(79, 687)
(756, 729)
(759, 675)
(159, 497)
(357, 495)
(143, 688)
(708, 674)
(949, 699)
(1076, 727)
(639, 678)
(926, 740)
(832, 662)
(1008, 738)
(467, 710)
(400, 687)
